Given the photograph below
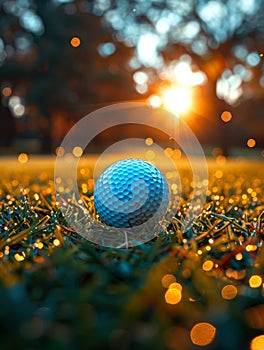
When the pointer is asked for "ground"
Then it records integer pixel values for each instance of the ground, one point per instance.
(185, 289)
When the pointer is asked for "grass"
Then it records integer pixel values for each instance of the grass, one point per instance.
(60, 291)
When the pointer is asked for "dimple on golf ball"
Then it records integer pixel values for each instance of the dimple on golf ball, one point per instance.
(130, 192)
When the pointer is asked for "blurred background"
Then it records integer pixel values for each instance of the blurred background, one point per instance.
(62, 59)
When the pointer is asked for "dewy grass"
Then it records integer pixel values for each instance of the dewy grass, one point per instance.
(59, 290)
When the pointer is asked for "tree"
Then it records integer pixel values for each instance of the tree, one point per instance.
(50, 71)
(118, 38)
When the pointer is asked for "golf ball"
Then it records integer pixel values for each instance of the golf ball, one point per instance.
(130, 192)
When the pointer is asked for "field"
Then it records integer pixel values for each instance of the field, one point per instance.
(183, 290)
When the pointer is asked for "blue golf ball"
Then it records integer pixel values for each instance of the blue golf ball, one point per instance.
(130, 192)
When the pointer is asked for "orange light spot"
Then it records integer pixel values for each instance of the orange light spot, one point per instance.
(251, 143)
(219, 174)
(19, 257)
(251, 248)
(168, 152)
(202, 333)
(257, 343)
(239, 256)
(177, 154)
(255, 281)
(226, 116)
(22, 158)
(167, 280)
(6, 91)
(208, 265)
(39, 245)
(84, 188)
(229, 292)
(176, 285)
(56, 242)
(149, 141)
(75, 41)
(173, 296)
(239, 275)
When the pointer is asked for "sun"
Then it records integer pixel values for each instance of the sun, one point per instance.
(176, 99)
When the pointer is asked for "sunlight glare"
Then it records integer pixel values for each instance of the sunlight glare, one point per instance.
(177, 99)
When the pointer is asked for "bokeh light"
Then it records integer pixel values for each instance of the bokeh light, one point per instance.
(18, 110)
(251, 143)
(16, 106)
(19, 256)
(202, 334)
(56, 242)
(226, 116)
(176, 285)
(77, 151)
(59, 151)
(219, 174)
(150, 155)
(168, 152)
(167, 280)
(7, 91)
(75, 41)
(255, 281)
(173, 296)
(208, 265)
(106, 49)
(155, 101)
(149, 141)
(229, 292)
(39, 244)
(22, 158)
(257, 343)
